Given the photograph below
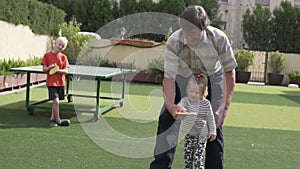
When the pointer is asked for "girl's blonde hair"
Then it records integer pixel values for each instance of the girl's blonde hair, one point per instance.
(199, 80)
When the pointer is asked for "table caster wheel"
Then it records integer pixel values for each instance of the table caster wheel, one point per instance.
(30, 111)
(70, 99)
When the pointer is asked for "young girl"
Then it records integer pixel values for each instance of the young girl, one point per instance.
(197, 128)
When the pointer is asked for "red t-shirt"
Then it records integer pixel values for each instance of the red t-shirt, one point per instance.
(61, 60)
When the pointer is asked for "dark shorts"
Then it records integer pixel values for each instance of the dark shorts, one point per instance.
(56, 92)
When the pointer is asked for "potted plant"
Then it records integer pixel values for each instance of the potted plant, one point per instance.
(244, 59)
(154, 73)
(276, 63)
(294, 77)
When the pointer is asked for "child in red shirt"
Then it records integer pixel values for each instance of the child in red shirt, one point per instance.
(56, 81)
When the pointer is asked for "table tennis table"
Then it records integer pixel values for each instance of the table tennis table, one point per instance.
(91, 72)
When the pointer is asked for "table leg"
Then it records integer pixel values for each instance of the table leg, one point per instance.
(27, 105)
(97, 113)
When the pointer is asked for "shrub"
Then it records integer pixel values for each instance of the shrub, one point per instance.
(76, 42)
(6, 65)
(295, 74)
(277, 62)
(155, 67)
(244, 59)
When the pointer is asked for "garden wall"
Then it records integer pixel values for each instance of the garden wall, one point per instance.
(125, 53)
(19, 42)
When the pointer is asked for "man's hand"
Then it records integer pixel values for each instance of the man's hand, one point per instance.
(174, 109)
(212, 137)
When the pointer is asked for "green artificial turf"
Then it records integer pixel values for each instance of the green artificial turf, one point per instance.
(262, 131)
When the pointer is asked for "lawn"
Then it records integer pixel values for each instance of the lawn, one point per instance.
(262, 131)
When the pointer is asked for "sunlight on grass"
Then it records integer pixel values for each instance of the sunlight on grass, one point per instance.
(266, 89)
(263, 116)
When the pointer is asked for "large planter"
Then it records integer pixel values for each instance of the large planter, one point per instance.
(41, 77)
(242, 77)
(294, 81)
(147, 78)
(8, 81)
(133, 42)
(21, 79)
(275, 78)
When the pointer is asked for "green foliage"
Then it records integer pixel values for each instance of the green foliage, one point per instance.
(277, 62)
(295, 74)
(212, 10)
(244, 59)
(107, 63)
(96, 14)
(6, 65)
(33, 61)
(155, 67)
(286, 19)
(257, 29)
(65, 5)
(76, 42)
(264, 31)
(93, 14)
(41, 18)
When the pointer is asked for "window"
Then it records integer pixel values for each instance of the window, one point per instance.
(262, 2)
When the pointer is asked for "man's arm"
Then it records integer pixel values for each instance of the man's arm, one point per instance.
(169, 91)
(229, 88)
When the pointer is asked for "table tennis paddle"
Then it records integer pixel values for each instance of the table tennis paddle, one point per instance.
(53, 70)
(186, 113)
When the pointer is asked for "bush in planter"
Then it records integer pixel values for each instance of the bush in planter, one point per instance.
(294, 77)
(276, 63)
(155, 69)
(244, 59)
(10, 78)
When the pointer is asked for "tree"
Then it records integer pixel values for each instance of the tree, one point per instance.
(257, 29)
(145, 6)
(93, 14)
(174, 8)
(128, 7)
(65, 5)
(212, 10)
(286, 28)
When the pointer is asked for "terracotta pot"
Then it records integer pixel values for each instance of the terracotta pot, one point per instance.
(41, 77)
(21, 79)
(133, 42)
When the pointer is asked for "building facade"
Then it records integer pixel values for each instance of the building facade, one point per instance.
(232, 11)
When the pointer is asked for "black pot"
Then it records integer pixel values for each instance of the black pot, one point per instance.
(242, 77)
(275, 78)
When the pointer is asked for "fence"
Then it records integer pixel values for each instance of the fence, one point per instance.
(260, 68)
